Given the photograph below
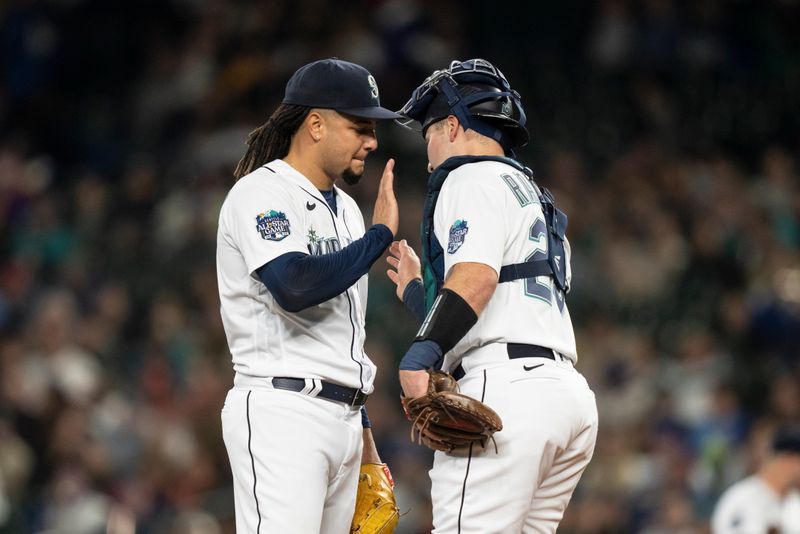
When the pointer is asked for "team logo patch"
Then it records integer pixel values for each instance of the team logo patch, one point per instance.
(458, 232)
(272, 225)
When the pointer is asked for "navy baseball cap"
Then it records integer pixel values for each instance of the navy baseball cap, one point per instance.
(336, 84)
(787, 439)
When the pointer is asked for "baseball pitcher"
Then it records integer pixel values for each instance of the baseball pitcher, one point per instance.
(292, 258)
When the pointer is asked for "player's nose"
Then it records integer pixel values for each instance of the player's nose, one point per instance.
(370, 143)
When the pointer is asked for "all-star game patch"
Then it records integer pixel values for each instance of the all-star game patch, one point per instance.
(458, 232)
(272, 225)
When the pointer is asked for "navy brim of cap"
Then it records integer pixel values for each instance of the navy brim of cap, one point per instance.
(787, 439)
(373, 112)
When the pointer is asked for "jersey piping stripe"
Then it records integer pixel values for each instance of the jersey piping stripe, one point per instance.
(352, 310)
(469, 461)
(347, 292)
(324, 203)
(252, 461)
(464, 487)
(270, 170)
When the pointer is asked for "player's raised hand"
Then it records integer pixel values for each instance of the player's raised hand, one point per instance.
(386, 210)
(406, 266)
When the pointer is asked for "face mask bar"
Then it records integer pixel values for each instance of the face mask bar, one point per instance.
(428, 89)
(444, 82)
(414, 110)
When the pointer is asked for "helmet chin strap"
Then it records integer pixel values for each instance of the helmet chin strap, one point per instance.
(469, 121)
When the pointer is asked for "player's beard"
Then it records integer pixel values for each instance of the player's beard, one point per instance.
(350, 177)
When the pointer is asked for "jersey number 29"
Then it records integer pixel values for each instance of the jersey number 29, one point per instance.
(541, 287)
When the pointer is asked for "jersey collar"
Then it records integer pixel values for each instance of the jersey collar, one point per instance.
(296, 176)
(299, 179)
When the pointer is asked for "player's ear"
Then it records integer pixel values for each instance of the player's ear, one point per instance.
(315, 124)
(452, 123)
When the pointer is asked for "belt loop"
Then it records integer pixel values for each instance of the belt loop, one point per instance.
(359, 399)
(316, 386)
(309, 387)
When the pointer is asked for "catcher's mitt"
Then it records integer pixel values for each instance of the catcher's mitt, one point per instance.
(376, 510)
(444, 419)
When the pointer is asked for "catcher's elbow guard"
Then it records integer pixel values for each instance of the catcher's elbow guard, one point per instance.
(449, 320)
(376, 510)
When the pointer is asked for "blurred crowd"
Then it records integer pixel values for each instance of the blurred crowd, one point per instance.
(669, 131)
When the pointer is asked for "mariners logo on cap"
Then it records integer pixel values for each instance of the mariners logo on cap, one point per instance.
(272, 225)
(458, 232)
(373, 85)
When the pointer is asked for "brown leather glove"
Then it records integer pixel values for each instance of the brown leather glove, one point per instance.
(444, 419)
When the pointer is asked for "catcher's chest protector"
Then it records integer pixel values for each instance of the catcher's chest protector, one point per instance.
(433, 253)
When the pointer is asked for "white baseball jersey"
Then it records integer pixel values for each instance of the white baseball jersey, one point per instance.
(489, 212)
(269, 212)
(752, 507)
(294, 458)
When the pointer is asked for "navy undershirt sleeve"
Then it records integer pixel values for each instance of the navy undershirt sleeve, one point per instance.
(414, 299)
(365, 418)
(299, 281)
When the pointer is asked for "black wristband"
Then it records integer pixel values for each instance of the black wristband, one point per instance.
(449, 320)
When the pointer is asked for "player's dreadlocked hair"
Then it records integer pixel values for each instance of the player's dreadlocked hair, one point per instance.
(271, 140)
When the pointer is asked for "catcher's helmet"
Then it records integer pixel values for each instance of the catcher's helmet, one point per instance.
(478, 94)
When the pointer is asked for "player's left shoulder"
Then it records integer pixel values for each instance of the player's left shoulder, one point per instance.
(482, 179)
(481, 172)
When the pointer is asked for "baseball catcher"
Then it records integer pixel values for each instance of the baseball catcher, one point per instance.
(444, 419)
(376, 510)
(490, 294)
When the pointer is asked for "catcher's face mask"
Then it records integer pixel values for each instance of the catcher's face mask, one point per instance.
(478, 94)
